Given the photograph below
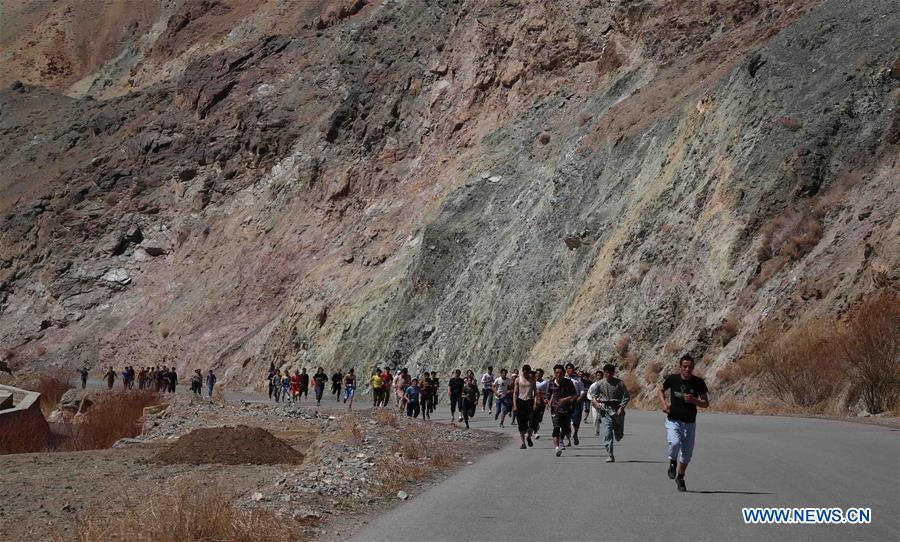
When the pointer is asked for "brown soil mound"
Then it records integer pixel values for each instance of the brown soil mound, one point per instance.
(230, 445)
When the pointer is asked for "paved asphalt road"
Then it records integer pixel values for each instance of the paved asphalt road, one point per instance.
(739, 461)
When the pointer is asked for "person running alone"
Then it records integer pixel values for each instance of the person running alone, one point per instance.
(469, 398)
(83, 373)
(687, 392)
(562, 400)
(487, 390)
(523, 395)
(454, 390)
(609, 396)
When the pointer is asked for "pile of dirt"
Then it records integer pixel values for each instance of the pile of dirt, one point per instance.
(239, 445)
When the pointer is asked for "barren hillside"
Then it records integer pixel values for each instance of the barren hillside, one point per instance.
(444, 183)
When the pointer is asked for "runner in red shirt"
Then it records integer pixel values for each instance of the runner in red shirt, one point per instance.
(295, 386)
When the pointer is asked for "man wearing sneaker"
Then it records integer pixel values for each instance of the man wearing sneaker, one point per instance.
(581, 395)
(501, 391)
(609, 396)
(562, 402)
(487, 390)
(687, 393)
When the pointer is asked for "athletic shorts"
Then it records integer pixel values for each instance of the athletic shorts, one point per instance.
(454, 402)
(562, 424)
(504, 404)
(523, 414)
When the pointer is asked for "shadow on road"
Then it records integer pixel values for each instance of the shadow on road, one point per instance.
(705, 492)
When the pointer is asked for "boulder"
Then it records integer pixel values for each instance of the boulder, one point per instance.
(117, 276)
(76, 401)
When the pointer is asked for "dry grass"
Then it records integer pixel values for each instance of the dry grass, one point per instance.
(396, 474)
(870, 346)
(653, 371)
(23, 435)
(627, 358)
(52, 387)
(386, 418)
(728, 330)
(631, 382)
(824, 366)
(350, 430)
(114, 416)
(798, 367)
(184, 512)
(622, 345)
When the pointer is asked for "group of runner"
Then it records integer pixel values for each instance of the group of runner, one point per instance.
(570, 395)
(292, 388)
(159, 378)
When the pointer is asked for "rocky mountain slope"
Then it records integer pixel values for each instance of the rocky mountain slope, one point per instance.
(220, 183)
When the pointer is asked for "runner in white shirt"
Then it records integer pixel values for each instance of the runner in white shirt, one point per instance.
(504, 399)
(487, 390)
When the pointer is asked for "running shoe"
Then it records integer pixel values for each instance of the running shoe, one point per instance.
(530, 443)
(576, 441)
(559, 451)
(671, 470)
(523, 447)
(611, 459)
(679, 483)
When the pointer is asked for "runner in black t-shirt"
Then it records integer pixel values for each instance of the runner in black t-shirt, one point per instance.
(562, 398)
(454, 390)
(687, 393)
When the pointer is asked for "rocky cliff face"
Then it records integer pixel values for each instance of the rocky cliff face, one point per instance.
(449, 183)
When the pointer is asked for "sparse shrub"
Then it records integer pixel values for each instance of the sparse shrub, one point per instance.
(183, 512)
(350, 431)
(409, 447)
(810, 366)
(622, 345)
(798, 366)
(654, 371)
(114, 416)
(386, 418)
(631, 382)
(23, 434)
(870, 346)
(52, 387)
(728, 330)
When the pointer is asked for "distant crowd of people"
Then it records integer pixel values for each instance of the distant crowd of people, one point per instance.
(292, 388)
(160, 378)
